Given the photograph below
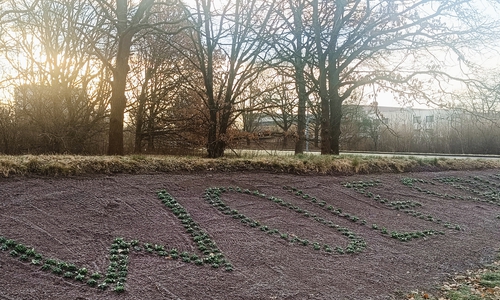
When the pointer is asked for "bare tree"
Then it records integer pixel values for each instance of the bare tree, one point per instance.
(128, 22)
(57, 92)
(159, 86)
(121, 24)
(228, 51)
(478, 107)
(392, 45)
(281, 105)
(8, 129)
(293, 47)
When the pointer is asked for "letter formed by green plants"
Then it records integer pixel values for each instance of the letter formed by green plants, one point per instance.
(121, 251)
(408, 207)
(482, 189)
(213, 197)
(54, 266)
(211, 254)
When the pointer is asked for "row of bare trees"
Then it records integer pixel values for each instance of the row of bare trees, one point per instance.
(455, 131)
(177, 75)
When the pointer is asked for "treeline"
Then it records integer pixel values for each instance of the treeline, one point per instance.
(454, 131)
(95, 77)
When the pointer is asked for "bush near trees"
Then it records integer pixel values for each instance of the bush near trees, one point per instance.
(94, 77)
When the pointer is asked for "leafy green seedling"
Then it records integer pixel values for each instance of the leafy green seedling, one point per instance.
(91, 282)
(80, 277)
(83, 271)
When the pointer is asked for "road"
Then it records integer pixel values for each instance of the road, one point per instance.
(243, 152)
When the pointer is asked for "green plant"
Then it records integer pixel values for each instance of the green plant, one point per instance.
(80, 277)
(91, 282)
(71, 267)
(83, 271)
(201, 238)
(229, 267)
(57, 270)
(463, 293)
(490, 279)
(10, 243)
(20, 248)
(24, 257)
(102, 286)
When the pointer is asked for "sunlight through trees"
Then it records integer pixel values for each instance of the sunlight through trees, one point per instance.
(95, 77)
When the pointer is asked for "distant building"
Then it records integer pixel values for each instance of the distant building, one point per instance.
(406, 129)
(416, 118)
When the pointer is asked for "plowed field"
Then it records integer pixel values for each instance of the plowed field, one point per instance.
(244, 235)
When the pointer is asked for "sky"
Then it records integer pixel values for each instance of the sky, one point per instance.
(490, 61)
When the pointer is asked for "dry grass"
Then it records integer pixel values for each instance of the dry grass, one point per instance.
(69, 165)
(478, 284)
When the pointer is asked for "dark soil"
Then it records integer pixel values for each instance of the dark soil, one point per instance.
(77, 219)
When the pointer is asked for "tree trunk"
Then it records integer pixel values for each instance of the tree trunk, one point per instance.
(301, 129)
(322, 82)
(325, 121)
(300, 83)
(208, 81)
(316, 135)
(216, 149)
(301, 113)
(150, 148)
(336, 118)
(335, 102)
(116, 116)
(118, 100)
(139, 119)
(212, 135)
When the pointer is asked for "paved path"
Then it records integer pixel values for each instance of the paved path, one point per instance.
(361, 153)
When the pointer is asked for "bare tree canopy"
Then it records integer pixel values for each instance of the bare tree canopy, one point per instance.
(227, 34)
(150, 71)
(398, 46)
